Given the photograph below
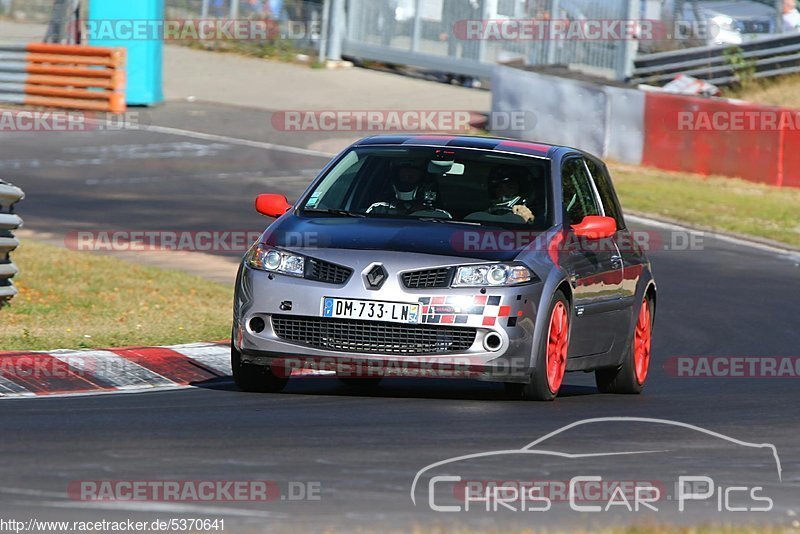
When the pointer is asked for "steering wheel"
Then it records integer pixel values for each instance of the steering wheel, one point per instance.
(500, 210)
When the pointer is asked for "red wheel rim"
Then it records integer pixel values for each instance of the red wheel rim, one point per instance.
(641, 343)
(557, 343)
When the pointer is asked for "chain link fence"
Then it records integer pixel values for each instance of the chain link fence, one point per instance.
(474, 34)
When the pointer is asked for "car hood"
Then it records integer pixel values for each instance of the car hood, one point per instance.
(421, 237)
(737, 10)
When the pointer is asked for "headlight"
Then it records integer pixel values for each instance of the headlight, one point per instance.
(264, 258)
(724, 22)
(500, 274)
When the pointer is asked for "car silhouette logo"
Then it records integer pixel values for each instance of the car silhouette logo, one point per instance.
(376, 276)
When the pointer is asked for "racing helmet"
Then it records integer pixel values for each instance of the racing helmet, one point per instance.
(505, 186)
(407, 182)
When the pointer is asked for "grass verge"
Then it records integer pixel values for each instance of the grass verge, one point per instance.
(720, 203)
(279, 50)
(75, 300)
(781, 92)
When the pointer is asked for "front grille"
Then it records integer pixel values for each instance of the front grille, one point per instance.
(431, 278)
(755, 26)
(372, 337)
(323, 271)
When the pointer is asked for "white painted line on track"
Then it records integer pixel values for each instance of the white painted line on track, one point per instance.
(234, 140)
(120, 391)
(721, 237)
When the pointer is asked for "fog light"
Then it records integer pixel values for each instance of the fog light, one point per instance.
(492, 342)
(257, 325)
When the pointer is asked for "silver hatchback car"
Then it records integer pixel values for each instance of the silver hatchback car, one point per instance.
(440, 256)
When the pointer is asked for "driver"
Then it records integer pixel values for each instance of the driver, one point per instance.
(408, 187)
(505, 190)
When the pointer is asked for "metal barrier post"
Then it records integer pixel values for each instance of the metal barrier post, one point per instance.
(417, 30)
(204, 9)
(323, 38)
(626, 47)
(234, 9)
(481, 43)
(555, 8)
(337, 30)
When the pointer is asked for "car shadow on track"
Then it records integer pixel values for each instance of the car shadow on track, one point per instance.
(402, 388)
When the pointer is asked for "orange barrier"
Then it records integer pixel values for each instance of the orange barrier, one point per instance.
(65, 76)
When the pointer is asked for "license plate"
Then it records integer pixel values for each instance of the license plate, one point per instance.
(370, 310)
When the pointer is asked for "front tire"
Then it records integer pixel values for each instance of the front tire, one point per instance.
(254, 378)
(630, 377)
(551, 363)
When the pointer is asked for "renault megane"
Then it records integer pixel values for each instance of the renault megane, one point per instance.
(501, 260)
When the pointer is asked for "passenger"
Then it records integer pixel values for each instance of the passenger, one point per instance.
(507, 194)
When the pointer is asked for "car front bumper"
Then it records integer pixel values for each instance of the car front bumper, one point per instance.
(505, 315)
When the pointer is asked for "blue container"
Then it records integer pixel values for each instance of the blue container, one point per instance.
(111, 23)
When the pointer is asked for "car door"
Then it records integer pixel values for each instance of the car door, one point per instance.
(627, 243)
(593, 266)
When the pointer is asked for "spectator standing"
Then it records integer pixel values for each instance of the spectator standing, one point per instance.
(791, 16)
(457, 12)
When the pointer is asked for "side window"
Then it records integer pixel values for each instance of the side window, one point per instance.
(579, 197)
(606, 192)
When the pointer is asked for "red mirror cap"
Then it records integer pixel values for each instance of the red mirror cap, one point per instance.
(272, 205)
(595, 227)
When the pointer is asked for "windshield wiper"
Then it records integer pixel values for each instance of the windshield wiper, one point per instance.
(446, 221)
(331, 211)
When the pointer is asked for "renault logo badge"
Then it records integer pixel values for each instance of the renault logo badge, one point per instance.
(375, 276)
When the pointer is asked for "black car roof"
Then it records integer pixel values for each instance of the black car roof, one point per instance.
(515, 146)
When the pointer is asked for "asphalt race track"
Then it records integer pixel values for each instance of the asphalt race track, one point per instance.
(362, 451)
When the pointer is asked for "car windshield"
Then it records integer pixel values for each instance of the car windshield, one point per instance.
(435, 184)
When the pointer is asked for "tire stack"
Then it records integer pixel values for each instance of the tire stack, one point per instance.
(9, 221)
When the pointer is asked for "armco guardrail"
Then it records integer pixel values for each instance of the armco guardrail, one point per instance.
(768, 57)
(64, 76)
(9, 195)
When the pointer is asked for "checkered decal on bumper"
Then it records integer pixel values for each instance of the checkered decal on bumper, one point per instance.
(482, 310)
